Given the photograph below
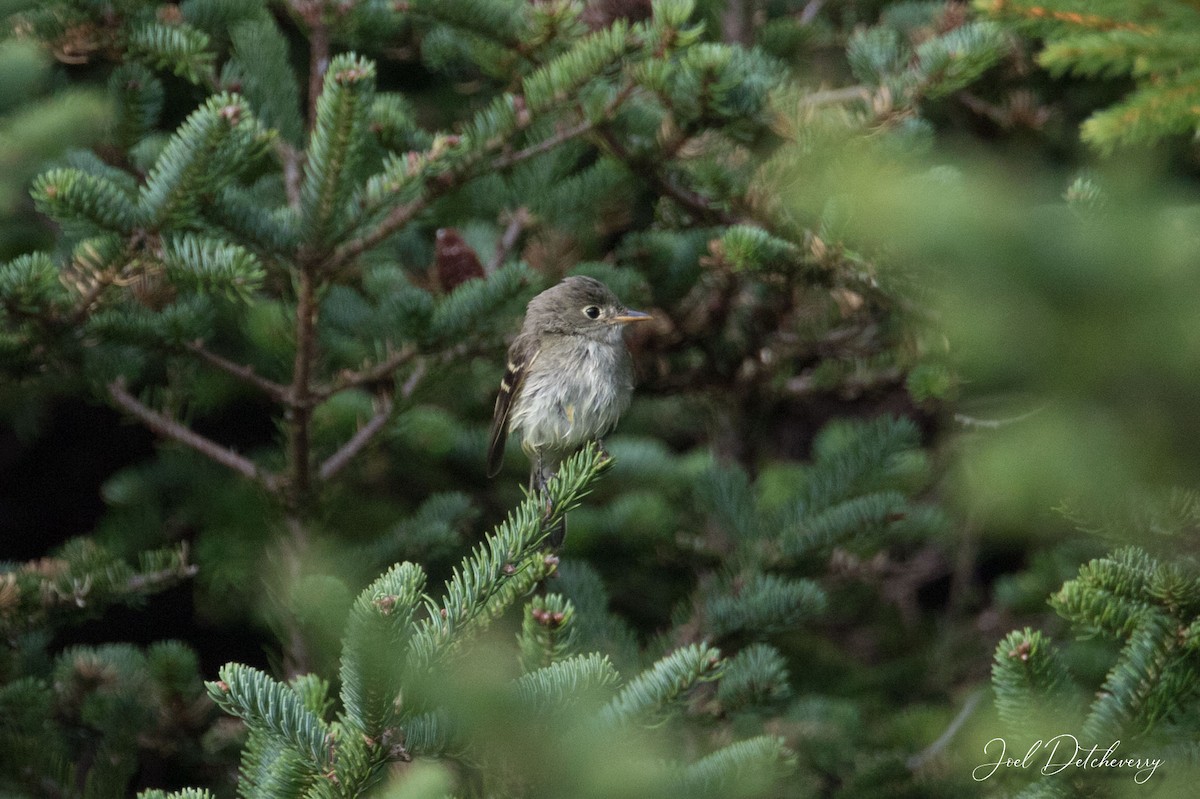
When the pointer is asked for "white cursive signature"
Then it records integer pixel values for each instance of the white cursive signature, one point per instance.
(1062, 752)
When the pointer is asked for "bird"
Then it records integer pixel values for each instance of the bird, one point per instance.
(568, 379)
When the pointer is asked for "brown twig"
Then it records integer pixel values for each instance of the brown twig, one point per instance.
(811, 9)
(290, 158)
(516, 226)
(167, 427)
(397, 218)
(318, 59)
(299, 396)
(698, 204)
(366, 376)
(401, 215)
(920, 759)
(338, 460)
(243, 372)
(835, 96)
(545, 145)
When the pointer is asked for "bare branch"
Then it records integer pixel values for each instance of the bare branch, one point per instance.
(313, 14)
(521, 218)
(300, 399)
(401, 215)
(366, 376)
(290, 158)
(811, 9)
(243, 372)
(414, 379)
(920, 759)
(397, 218)
(545, 145)
(699, 205)
(165, 426)
(338, 460)
(835, 96)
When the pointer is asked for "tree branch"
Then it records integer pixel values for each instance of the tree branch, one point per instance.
(335, 462)
(167, 427)
(147, 579)
(917, 761)
(811, 9)
(289, 158)
(338, 460)
(698, 204)
(401, 215)
(243, 372)
(318, 58)
(397, 218)
(545, 145)
(835, 96)
(299, 394)
(521, 218)
(364, 377)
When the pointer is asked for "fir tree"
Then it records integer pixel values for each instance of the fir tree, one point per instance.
(407, 687)
(1145, 607)
(274, 242)
(336, 252)
(1152, 44)
(84, 721)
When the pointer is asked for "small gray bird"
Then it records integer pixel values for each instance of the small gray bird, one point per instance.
(568, 380)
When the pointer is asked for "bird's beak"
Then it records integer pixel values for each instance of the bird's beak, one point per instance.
(627, 316)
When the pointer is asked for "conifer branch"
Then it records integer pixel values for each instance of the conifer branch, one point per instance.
(920, 759)
(338, 460)
(521, 219)
(698, 204)
(167, 427)
(844, 94)
(89, 297)
(318, 53)
(397, 218)
(401, 215)
(144, 581)
(300, 391)
(567, 134)
(366, 376)
(243, 372)
(544, 146)
(293, 175)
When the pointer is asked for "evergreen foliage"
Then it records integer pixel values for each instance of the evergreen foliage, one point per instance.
(390, 655)
(84, 720)
(1146, 608)
(81, 579)
(1152, 44)
(242, 209)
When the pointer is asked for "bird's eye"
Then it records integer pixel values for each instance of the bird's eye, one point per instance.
(592, 312)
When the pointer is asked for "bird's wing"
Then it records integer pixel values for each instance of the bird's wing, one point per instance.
(521, 355)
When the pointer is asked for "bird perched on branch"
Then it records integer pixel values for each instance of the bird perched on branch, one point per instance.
(568, 379)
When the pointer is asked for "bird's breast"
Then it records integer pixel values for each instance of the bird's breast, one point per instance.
(575, 394)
